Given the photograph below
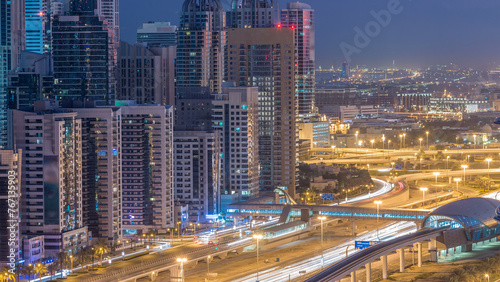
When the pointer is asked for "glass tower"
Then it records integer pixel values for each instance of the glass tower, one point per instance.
(200, 46)
(80, 52)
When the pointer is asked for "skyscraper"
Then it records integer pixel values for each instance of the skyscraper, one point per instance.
(197, 173)
(12, 41)
(155, 34)
(200, 46)
(34, 25)
(235, 117)
(109, 11)
(147, 140)
(146, 74)
(51, 178)
(300, 18)
(346, 72)
(10, 177)
(32, 81)
(264, 58)
(253, 13)
(80, 50)
(101, 171)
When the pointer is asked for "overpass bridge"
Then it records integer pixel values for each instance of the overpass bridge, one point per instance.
(365, 257)
(374, 155)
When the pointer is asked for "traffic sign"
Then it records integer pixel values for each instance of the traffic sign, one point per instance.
(327, 197)
(359, 245)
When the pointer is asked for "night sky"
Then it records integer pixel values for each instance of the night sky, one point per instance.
(425, 32)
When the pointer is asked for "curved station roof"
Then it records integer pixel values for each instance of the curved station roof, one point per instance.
(476, 216)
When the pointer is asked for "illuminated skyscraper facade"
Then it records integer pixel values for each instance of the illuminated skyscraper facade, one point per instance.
(300, 18)
(147, 142)
(34, 25)
(201, 40)
(51, 178)
(80, 51)
(265, 58)
(235, 117)
(253, 13)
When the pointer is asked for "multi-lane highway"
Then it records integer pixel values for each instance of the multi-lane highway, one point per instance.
(332, 255)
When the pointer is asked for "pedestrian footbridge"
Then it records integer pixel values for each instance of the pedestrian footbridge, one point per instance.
(243, 209)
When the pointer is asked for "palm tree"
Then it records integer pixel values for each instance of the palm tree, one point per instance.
(9, 276)
(63, 260)
(101, 247)
(52, 268)
(28, 270)
(6, 275)
(40, 269)
(83, 255)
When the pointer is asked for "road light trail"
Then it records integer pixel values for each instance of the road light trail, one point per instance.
(332, 255)
(386, 188)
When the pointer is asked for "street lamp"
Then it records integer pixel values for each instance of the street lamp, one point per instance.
(378, 205)
(474, 140)
(420, 139)
(178, 230)
(322, 258)
(258, 237)
(401, 140)
(182, 261)
(487, 276)
(436, 174)
(373, 142)
(489, 160)
(71, 257)
(194, 226)
(427, 133)
(447, 160)
(208, 266)
(423, 194)
(464, 167)
(457, 180)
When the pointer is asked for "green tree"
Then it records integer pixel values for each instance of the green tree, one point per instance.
(439, 155)
(483, 182)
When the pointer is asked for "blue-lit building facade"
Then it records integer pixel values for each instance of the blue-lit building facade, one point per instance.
(34, 25)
